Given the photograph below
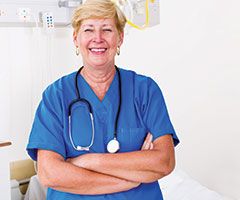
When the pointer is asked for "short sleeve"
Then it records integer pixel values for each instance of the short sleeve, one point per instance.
(47, 129)
(155, 114)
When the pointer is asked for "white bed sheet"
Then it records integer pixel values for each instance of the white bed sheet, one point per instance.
(176, 186)
(179, 186)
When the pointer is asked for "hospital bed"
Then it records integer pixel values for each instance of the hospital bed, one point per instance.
(176, 186)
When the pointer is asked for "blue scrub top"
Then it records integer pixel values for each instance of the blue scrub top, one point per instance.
(143, 110)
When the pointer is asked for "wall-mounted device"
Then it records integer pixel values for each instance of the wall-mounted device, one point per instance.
(55, 13)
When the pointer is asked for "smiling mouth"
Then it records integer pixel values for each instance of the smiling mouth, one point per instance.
(98, 50)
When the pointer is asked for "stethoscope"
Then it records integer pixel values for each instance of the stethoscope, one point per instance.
(113, 145)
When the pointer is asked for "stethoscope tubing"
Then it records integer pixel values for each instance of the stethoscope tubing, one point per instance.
(77, 147)
(79, 99)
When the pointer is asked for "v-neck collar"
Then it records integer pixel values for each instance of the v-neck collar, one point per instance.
(87, 92)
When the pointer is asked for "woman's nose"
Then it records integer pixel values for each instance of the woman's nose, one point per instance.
(98, 37)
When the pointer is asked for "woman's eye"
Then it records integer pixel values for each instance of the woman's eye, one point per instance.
(107, 30)
(88, 30)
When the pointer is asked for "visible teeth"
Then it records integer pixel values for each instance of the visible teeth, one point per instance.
(98, 50)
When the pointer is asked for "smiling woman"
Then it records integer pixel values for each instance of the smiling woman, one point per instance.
(98, 32)
(106, 128)
(98, 40)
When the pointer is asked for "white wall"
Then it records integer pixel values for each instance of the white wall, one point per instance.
(30, 60)
(194, 56)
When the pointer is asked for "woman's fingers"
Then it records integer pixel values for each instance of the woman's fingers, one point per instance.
(148, 142)
(143, 146)
(145, 142)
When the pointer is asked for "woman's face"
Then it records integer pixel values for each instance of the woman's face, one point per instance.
(98, 40)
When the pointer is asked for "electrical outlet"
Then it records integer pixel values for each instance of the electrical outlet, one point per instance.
(24, 14)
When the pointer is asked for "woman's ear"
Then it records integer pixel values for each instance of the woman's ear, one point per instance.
(75, 38)
(121, 36)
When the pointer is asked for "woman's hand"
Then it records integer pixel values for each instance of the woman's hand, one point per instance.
(148, 143)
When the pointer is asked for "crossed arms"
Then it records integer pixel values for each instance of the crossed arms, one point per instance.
(93, 174)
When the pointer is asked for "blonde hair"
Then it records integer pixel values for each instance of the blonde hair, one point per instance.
(98, 9)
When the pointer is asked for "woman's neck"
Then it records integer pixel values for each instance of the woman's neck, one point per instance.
(99, 80)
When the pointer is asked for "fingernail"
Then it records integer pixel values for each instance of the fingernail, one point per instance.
(151, 146)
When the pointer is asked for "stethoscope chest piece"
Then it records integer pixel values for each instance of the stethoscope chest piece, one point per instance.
(113, 146)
